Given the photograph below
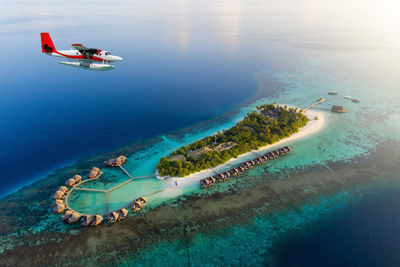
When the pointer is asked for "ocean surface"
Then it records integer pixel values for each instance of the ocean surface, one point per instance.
(192, 68)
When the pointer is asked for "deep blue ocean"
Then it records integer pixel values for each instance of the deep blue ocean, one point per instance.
(366, 234)
(187, 62)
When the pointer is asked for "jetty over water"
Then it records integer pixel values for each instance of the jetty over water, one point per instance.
(319, 101)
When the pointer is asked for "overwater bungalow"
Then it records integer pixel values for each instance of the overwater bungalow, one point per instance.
(142, 201)
(226, 175)
(93, 172)
(63, 189)
(123, 213)
(246, 165)
(281, 151)
(113, 217)
(66, 216)
(77, 178)
(211, 180)
(136, 206)
(58, 208)
(234, 172)
(241, 169)
(74, 218)
(219, 178)
(115, 162)
(70, 182)
(57, 201)
(204, 183)
(58, 194)
(339, 109)
(87, 220)
(97, 220)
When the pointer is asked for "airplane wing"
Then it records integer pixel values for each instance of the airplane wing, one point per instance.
(80, 47)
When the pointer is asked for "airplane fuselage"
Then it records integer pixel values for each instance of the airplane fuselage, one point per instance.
(75, 54)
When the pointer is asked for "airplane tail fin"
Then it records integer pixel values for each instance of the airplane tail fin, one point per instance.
(47, 43)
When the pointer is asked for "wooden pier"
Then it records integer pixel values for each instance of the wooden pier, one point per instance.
(319, 101)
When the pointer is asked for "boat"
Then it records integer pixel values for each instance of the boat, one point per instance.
(348, 97)
(355, 100)
(332, 93)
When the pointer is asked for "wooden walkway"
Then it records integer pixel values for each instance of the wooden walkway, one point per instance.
(319, 101)
(75, 187)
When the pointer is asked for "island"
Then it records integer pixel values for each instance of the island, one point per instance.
(267, 125)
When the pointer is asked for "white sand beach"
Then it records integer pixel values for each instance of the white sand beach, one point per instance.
(312, 127)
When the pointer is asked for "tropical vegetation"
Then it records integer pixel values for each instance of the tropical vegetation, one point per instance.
(267, 125)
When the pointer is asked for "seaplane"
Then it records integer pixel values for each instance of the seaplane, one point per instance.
(81, 56)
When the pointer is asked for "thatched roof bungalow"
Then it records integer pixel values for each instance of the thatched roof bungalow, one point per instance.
(97, 220)
(211, 180)
(70, 182)
(58, 194)
(142, 201)
(113, 217)
(63, 189)
(57, 201)
(115, 162)
(219, 178)
(87, 220)
(58, 208)
(77, 178)
(74, 218)
(123, 213)
(93, 172)
(204, 183)
(136, 206)
(66, 216)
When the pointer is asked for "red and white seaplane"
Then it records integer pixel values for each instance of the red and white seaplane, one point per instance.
(81, 56)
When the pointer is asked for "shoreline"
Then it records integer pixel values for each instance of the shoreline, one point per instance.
(312, 127)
